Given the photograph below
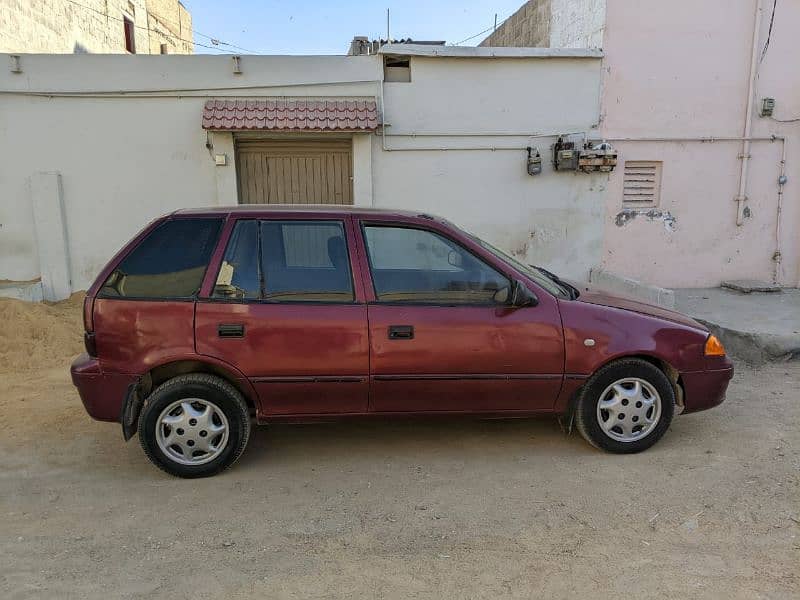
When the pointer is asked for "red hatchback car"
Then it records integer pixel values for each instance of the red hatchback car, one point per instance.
(211, 317)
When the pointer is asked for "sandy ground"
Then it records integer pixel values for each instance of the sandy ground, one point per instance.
(435, 509)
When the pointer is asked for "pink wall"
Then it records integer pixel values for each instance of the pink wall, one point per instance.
(681, 69)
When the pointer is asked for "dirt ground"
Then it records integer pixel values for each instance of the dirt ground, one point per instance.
(434, 509)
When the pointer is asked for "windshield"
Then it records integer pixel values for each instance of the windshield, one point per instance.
(546, 280)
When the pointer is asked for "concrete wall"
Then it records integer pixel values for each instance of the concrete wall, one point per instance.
(577, 23)
(553, 24)
(171, 24)
(528, 27)
(124, 158)
(679, 70)
(93, 26)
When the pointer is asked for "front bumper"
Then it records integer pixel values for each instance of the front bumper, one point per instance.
(102, 393)
(705, 389)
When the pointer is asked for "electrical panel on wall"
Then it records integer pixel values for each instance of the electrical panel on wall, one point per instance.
(587, 156)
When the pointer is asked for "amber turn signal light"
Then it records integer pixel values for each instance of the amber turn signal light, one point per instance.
(714, 347)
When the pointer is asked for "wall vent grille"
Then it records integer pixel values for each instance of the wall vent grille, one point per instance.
(641, 182)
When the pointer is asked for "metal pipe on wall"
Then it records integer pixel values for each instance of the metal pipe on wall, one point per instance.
(777, 256)
(741, 198)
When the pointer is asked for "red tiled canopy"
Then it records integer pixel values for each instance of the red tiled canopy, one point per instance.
(291, 115)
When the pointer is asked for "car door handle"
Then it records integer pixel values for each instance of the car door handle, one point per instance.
(230, 330)
(401, 332)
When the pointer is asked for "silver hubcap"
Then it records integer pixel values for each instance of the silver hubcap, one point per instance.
(629, 409)
(192, 431)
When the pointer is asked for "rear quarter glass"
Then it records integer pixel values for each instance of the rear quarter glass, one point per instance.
(166, 261)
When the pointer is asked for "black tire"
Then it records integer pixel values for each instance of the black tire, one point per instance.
(586, 418)
(204, 387)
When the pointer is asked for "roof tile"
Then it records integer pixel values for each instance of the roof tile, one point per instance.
(281, 114)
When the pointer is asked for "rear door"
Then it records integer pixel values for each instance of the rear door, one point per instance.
(442, 336)
(287, 310)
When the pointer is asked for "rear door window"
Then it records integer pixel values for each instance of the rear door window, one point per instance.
(168, 264)
(239, 274)
(305, 261)
(286, 261)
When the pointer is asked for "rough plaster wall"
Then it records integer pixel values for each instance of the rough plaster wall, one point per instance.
(528, 27)
(62, 27)
(677, 70)
(577, 23)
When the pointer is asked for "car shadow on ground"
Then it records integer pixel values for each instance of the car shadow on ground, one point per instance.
(383, 438)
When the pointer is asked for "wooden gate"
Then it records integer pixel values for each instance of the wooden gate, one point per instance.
(295, 171)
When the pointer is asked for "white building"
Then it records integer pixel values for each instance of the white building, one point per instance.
(96, 146)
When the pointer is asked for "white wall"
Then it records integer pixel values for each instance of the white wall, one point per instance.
(552, 219)
(125, 159)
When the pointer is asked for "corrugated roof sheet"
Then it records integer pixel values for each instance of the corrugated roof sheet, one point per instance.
(290, 115)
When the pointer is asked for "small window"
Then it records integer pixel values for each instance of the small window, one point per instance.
(168, 263)
(417, 265)
(396, 69)
(130, 34)
(305, 261)
(164, 49)
(239, 274)
(641, 183)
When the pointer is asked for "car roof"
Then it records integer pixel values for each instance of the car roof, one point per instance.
(301, 209)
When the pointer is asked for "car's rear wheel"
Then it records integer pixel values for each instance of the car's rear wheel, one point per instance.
(626, 406)
(194, 425)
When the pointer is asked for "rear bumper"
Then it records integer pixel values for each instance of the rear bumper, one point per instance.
(102, 394)
(705, 389)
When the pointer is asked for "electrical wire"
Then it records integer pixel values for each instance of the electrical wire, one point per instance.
(769, 33)
(219, 42)
(472, 37)
(167, 35)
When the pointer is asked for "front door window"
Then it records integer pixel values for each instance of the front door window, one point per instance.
(420, 266)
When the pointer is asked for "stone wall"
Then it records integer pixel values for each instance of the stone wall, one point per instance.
(170, 23)
(528, 27)
(92, 26)
(554, 24)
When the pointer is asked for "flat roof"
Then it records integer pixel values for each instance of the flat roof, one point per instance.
(488, 51)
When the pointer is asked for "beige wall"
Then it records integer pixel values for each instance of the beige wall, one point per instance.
(680, 70)
(92, 26)
(124, 160)
(170, 23)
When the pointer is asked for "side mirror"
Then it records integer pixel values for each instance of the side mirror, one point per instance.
(521, 295)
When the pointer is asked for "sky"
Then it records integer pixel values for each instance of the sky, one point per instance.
(320, 27)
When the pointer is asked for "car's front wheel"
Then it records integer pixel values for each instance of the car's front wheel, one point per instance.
(194, 425)
(626, 406)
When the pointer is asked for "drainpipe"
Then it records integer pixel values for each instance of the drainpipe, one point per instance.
(741, 198)
(777, 257)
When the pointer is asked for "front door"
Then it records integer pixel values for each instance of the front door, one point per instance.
(284, 311)
(442, 336)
